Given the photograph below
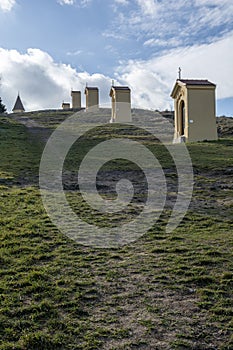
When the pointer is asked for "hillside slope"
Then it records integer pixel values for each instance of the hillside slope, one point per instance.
(164, 291)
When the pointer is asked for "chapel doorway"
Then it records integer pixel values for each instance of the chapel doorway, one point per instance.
(181, 118)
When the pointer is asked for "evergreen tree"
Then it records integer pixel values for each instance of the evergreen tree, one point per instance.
(2, 106)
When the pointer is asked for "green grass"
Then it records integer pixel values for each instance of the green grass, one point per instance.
(213, 155)
(20, 153)
(164, 291)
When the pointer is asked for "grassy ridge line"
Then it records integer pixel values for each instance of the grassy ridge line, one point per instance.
(164, 291)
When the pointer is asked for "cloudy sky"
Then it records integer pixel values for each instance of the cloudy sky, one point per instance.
(48, 47)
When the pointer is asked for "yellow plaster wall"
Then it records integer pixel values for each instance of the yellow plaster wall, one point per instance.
(76, 99)
(201, 115)
(121, 106)
(92, 99)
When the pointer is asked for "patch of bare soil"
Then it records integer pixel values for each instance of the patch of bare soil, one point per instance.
(152, 316)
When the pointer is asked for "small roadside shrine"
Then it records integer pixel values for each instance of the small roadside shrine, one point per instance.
(195, 115)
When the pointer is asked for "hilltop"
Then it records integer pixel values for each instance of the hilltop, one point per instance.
(55, 116)
(163, 291)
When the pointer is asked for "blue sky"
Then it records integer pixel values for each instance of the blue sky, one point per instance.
(48, 47)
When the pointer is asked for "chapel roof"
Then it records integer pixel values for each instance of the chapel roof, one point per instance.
(191, 82)
(93, 88)
(18, 104)
(195, 82)
(121, 88)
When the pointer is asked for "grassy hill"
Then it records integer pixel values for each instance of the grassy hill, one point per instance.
(164, 291)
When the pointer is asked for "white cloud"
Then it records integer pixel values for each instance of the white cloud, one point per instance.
(66, 2)
(74, 53)
(122, 2)
(172, 42)
(7, 5)
(84, 3)
(43, 83)
(148, 7)
(186, 22)
(152, 81)
(80, 3)
(113, 35)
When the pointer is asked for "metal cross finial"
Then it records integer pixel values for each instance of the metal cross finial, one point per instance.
(179, 73)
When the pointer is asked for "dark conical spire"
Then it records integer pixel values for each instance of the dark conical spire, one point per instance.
(18, 107)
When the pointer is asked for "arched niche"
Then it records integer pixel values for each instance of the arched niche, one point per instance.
(181, 118)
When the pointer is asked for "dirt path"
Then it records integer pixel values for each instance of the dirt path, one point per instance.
(38, 131)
